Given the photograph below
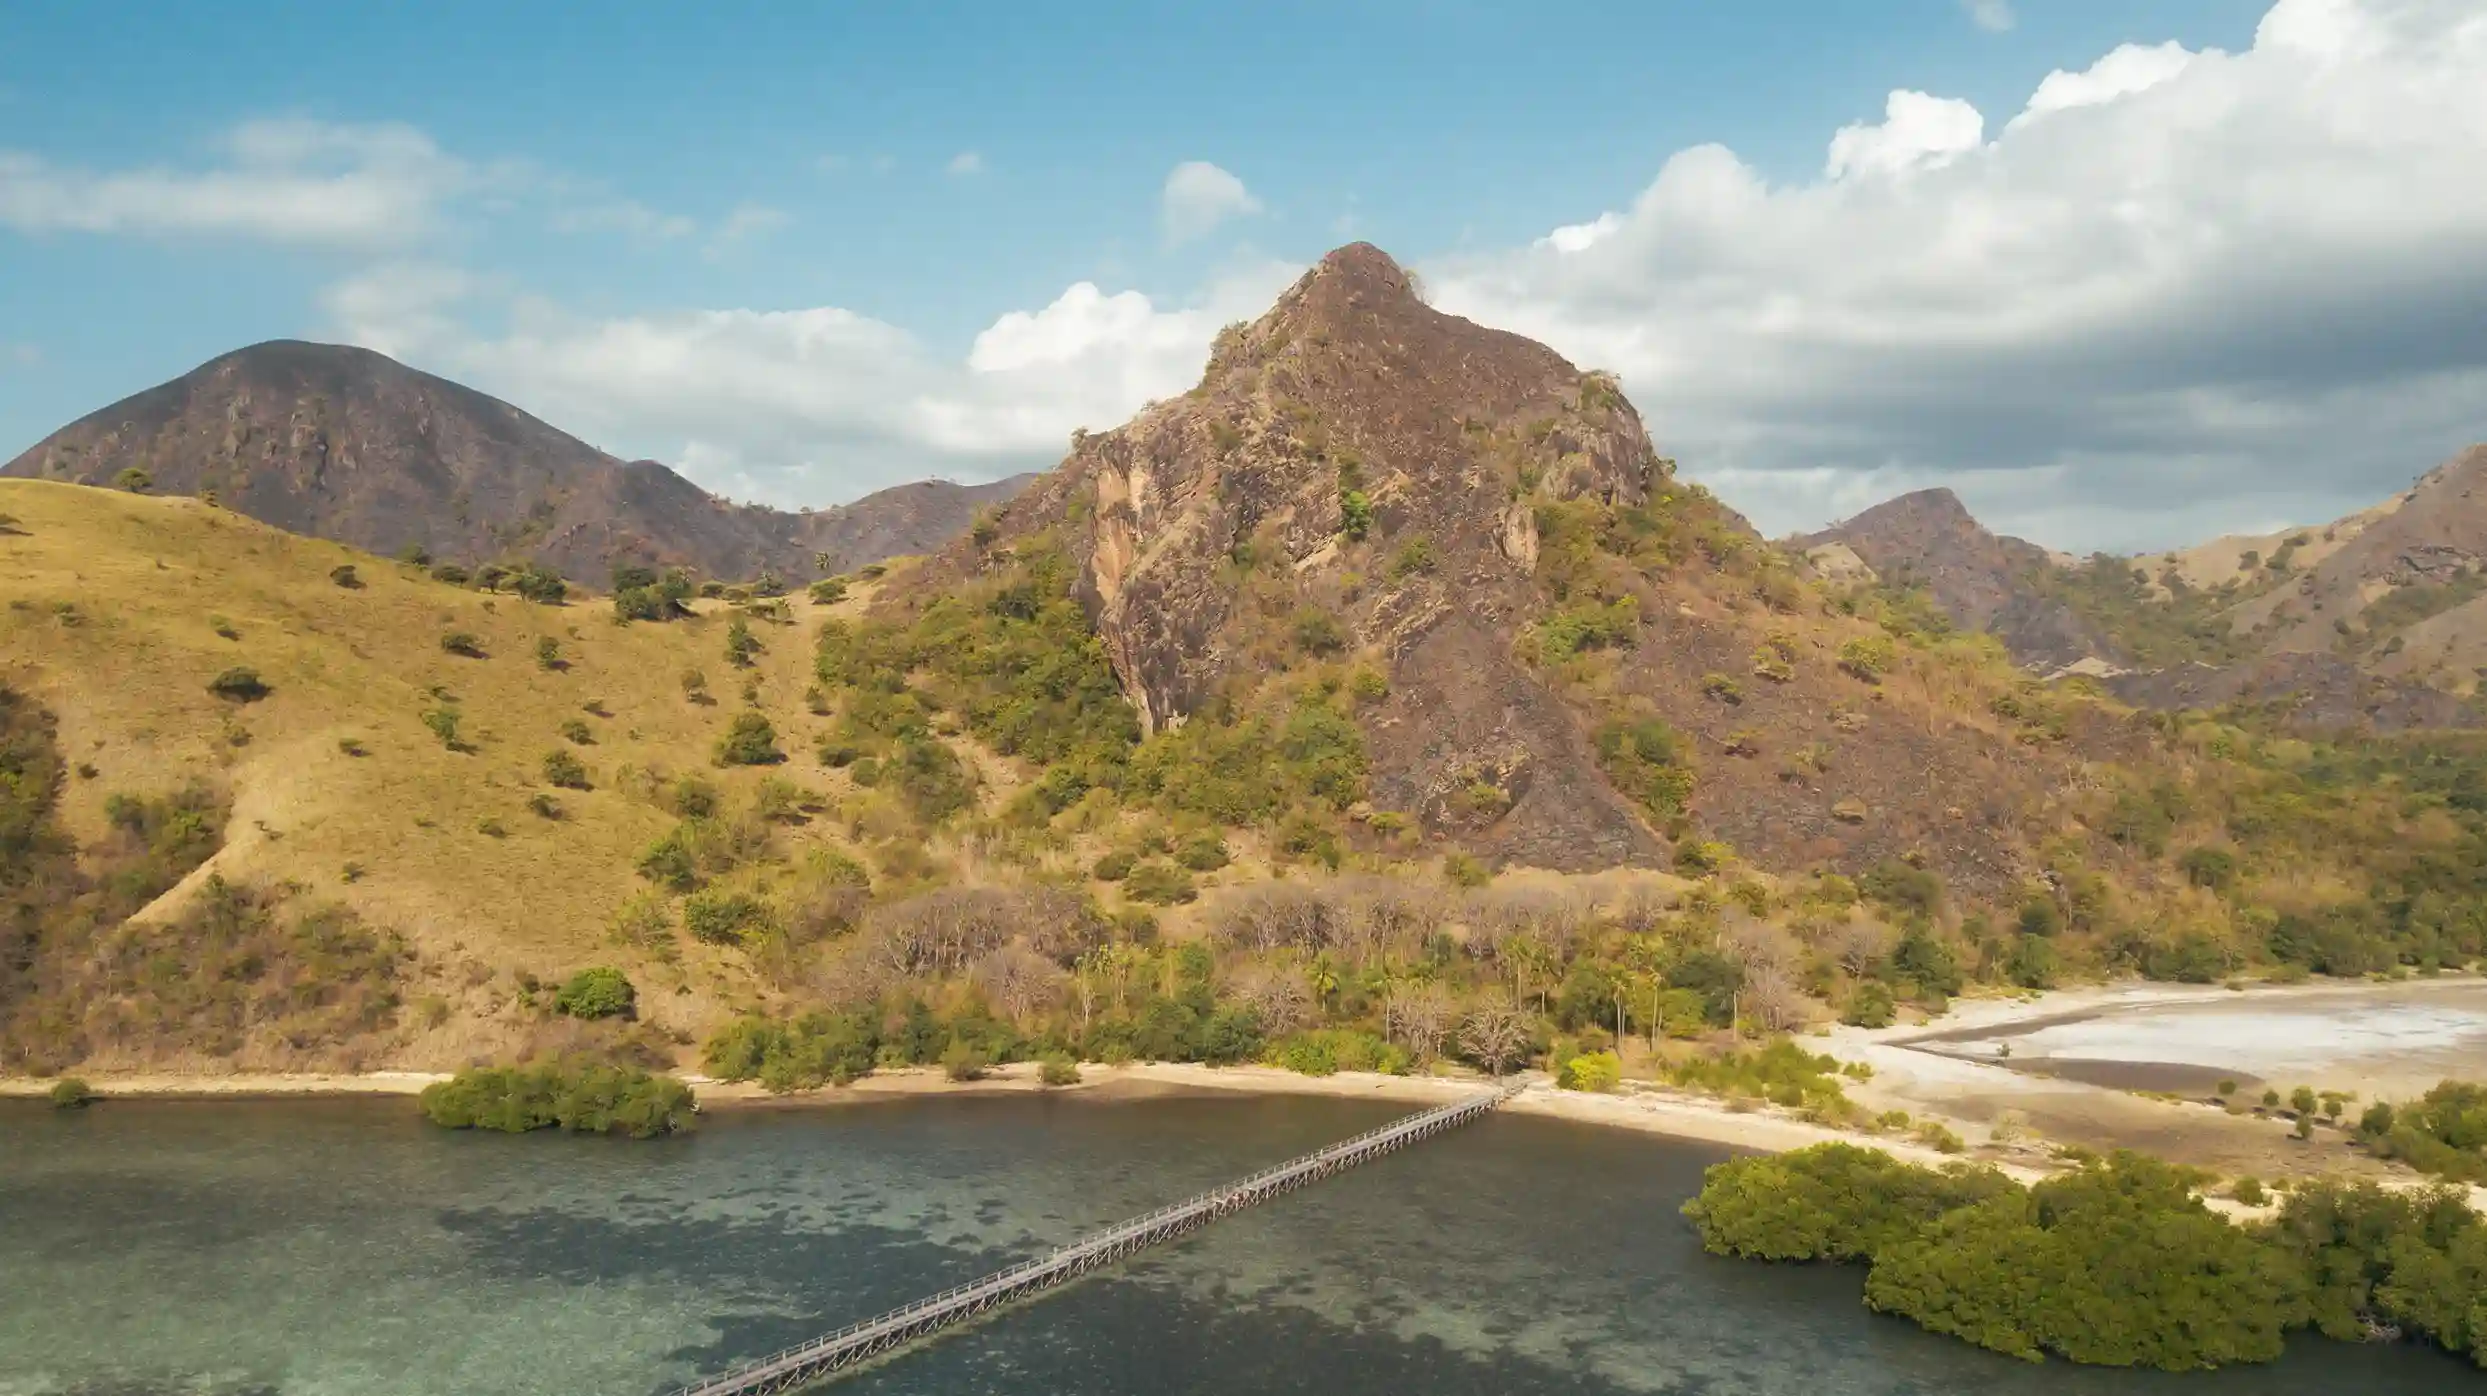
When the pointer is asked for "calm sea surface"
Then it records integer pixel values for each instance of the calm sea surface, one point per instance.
(343, 1248)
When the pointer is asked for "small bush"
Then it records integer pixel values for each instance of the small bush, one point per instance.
(444, 722)
(1868, 657)
(1723, 688)
(1203, 852)
(577, 731)
(565, 771)
(964, 1061)
(598, 992)
(462, 642)
(345, 576)
(548, 654)
(1057, 1069)
(829, 591)
(1115, 866)
(2249, 1190)
(238, 685)
(71, 1093)
(1591, 1071)
(545, 806)
(1159, 884)
(749, 740)
(491, 828)
(725, 918)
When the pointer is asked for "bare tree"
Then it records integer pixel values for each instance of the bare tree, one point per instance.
(1418, 1016)
(1860, 944)
(1019, 981)
(1269, 916)
(1754, 944)
(1277, 996)
(1642, 909)
(1495, 1035)
(1771, 998)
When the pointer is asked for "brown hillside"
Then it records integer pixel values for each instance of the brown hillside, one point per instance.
(346, 444)
(1978, 578)
(2435, 539)
(1489, 527)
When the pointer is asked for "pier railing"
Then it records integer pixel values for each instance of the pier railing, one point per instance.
(808, 1362)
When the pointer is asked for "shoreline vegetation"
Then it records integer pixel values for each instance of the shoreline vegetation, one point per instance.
(2118, 1262)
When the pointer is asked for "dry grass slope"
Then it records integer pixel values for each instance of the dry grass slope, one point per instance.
(113, 606)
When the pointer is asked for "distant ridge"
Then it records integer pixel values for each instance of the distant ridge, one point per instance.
(343, 443)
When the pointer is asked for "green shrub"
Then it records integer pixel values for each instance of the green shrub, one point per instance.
(598, 992)
(548, 654)
(1115, 866)
(725, 918)
(462, 642)
(962, 1060)
(1159, 884)
(2249, 1190)
(1644, 758)
(565, 771)
(444, 722)
(814, 1050)
(580, 1096)
(1414, 556)
(1869, 1006)
(1204, 851)
(1319, 633)
(1867, 657)
(239, 685)
(1355, 514)
(742, 648)
(1592, 1071)
(1326, 1051)
(71, 1093)
(749, 740)
(1057, 1069)
(829, 591)
(345, 576)
(576, 731)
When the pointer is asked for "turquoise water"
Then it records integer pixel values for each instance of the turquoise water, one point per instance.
(343, 1248)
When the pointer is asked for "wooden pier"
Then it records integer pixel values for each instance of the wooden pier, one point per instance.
(857, 1343)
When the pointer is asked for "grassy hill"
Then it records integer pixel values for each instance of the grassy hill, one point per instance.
(117, 613)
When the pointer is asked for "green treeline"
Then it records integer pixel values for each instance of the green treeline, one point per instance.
(1140, 1022)
(2117, 1263)
(580, 1096)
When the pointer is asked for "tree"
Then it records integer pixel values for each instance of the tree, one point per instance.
(548, 654)
(1418, 1015)
(1495, 1036)
(741, 646)
(345, 576)
(134, 480)
(749, 741)
(600, 992)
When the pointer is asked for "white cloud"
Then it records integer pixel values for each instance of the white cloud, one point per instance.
(1198, 197)
(401, 309)
(1916, 131)
(966, 162)
(1993, 16)
(288, 180)
(746, 223)
(811, 406)
(2127, 70)
(2179, 288)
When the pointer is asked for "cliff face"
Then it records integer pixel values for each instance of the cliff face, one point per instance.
(1357, 456)
(346, 444)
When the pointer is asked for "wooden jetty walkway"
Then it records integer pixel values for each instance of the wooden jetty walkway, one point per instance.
(857, 1343)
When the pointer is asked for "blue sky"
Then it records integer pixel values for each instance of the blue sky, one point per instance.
(741, 240)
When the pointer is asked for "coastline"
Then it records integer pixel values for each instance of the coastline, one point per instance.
(1677, 1115)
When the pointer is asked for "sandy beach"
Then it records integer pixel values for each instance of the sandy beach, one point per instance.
(2012, 1076)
